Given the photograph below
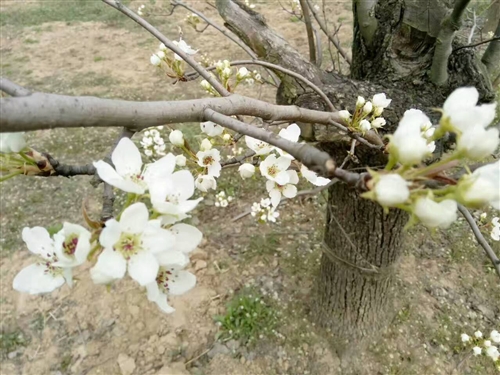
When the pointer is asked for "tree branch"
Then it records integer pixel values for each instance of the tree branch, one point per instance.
(309, 30)
(443, 49)
(283, 70)
(168, 43)
(480, 238)
(491, 57)
(368, 24)
(65, 170)
(333, 38)
(13, 89)
(48, 111)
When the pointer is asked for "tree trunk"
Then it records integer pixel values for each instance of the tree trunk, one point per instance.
(354, 289)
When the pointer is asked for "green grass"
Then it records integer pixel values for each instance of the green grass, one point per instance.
(249, 317)
(10, 341)
(66, 11)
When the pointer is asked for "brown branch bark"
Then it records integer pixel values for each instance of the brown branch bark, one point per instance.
(309, 30)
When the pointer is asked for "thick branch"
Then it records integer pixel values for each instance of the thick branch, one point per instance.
(47, 111)
(309, 30)
(333, 38)
(491, 57)
(368, 24)
(480, 238)
(168, 43)
(443, 49)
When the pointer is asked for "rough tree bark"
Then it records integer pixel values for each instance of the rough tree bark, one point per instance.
(392, 53)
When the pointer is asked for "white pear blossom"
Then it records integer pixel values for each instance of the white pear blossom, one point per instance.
(171, 280)
(391, 190)
(12, 142)
(211, 129)
(380, 102)
(127, 174)
(487, 343)
(476, 143)
(345, 115)
(407, 144)
(207, 86)
(464, 337)
(289, 190)
(171, 196)
(226, 72)
(364, 126)
(133, 244)
(476, 350)
(378, 122)
(264, 211)
(495, 336)
(461, 111)
(495, 231)
(481, 187)
(180, 160)
(205, 145)
(246, 170)
(478, 334)
(360, 101)
(492, 352)
(155, 59)
(260, 147)
(185, 48)
(176, 138)
(210, 159)
(367, 108)
(292, 134)
(162, 47)
(205, 183)
(161, 54)
(226, 137)
(242, 73)
(57, 256)
(436, 215)
(274, 169)
(313, 177)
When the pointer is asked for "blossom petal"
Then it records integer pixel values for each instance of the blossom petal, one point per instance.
(184, 184)
(282, 178)
(110, 234)
(173, 257)
(293, 177)
(187, 237)
(289, 191)
(188, 205)
(143, 267)
(182, 282)
(275, 196)
(153, 291)
(160, 169)
(135, 218)
(38, 241)
(110, 176)
(110, 266)
(157, 240)
(461, 98)
(35, 280)
(127, 158)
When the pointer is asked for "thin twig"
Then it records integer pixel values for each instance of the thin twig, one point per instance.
(169, 44)
(477, 44)
(13, 89)
(309, 30)
(480, 238)
(332, 38)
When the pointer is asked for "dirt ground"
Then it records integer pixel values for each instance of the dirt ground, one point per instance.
(445, 285)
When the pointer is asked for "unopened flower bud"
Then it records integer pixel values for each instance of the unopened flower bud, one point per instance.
(180, 160)
(246, 170)
(378, 122)
(364, 125)
(367, 108)
(155, 60)
(345, 115)
(205, 145)
(360, 102)
(176, 138)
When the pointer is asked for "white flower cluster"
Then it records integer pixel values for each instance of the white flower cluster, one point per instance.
(193, 20)
(222, 200)
(249, 4)
(281, 180)
(175, 66)
(153, 143)
(366, 115)
(154, 252)
(484, 346)
(264, 211)
(140, 10)
(413, 141)
(225, 73)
